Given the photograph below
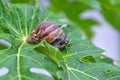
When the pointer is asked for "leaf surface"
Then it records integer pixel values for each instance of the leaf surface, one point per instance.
(19, 58)
(76, 62)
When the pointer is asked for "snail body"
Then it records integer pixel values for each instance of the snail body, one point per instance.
(49, 32)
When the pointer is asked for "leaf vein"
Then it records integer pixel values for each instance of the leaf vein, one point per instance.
(82, 73)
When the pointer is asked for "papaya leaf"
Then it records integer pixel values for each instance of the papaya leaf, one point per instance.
(16, 27)
(89, 68)
(21, 58)
(79, 61)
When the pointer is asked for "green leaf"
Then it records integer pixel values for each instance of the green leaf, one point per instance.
(110, 9)
(73, 10)
(88, 68)
(92, 3)
(21, 56)
(23, 1)
(52, 52)
(78, 61)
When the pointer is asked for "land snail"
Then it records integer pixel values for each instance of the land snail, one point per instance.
(49, 32)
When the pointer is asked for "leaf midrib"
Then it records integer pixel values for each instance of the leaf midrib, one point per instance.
(18, 60)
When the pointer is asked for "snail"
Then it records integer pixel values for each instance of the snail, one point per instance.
(49, 32)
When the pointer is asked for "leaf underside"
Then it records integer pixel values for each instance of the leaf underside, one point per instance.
(76, 62)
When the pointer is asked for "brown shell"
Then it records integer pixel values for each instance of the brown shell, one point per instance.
(45, 31)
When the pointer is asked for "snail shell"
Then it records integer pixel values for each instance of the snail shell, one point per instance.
(49, 32)
(46, 31)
